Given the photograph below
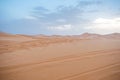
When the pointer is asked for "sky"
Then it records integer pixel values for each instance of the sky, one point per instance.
(59, 17)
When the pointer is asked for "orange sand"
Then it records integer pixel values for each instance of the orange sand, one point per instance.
(59, 57)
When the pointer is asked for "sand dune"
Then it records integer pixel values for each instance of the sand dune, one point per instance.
(81, 57)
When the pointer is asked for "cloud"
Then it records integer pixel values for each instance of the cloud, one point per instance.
(40, 12)
(31, 18)
(61, 20)
(87, 3)
(103, 25)
(84, 16)
(41, 9)
(65, 14)
(61, 27)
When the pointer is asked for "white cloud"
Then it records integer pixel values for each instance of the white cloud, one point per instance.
(61, 27)
(103, 25)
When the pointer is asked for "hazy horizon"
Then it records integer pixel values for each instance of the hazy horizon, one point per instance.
(63, 17)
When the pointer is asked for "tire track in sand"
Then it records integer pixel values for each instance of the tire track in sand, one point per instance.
(72, 77)
(65, 59)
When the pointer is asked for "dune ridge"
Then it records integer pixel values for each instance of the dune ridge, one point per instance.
(16, 42)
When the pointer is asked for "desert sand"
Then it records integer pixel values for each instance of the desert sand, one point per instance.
(76, 57)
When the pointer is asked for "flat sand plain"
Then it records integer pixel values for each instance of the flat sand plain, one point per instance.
(59, 59)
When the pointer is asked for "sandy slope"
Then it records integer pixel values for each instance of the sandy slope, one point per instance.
(64, 59)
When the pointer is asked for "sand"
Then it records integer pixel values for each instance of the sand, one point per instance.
(59, 58)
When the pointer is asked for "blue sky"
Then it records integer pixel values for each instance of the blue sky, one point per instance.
(63, 17)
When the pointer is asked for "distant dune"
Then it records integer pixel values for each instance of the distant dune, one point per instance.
(72, 57)
(10, 42)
